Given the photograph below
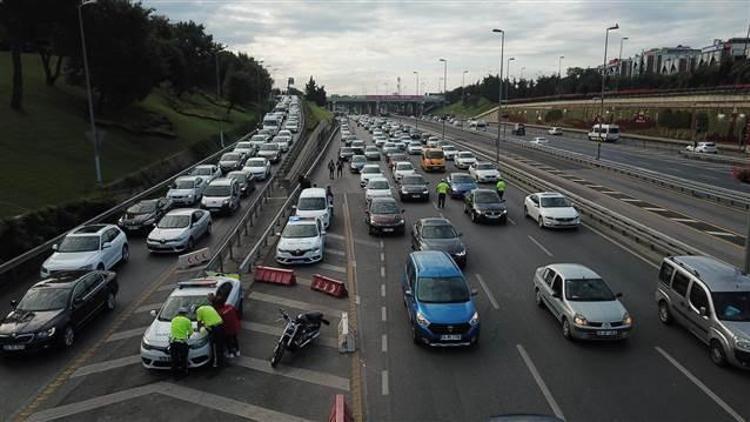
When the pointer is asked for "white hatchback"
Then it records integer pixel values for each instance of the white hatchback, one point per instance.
(552, 210)
(377, 187)
(93, 247)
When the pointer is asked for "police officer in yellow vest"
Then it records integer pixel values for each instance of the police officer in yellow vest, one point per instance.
(500, 187)
(442, 190)
(180, 330)
(208, 317)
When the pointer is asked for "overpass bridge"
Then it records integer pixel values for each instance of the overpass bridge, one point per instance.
(380, 104)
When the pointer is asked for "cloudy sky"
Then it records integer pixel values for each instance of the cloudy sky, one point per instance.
(358, 47)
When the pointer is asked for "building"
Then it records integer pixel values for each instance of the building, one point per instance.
(732, 48)
(669, 60)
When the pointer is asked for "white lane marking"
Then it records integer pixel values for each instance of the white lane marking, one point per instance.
(512, 221)
(382, 245)
(300, 374)
(384, 389)
(684, 220)
(610, 192)
(330, 267)
(487, 292)
(366, 243)
(540, 246)
(382, 272)
(382, 290)
(595, 186)
(335, 252)
(335, 236)
(656, 209)
(296, 304)
(168, 286)
(121, 335)
(622, 246)
(383, 314)
(725, 234)
(441, 215)
(384, 343)
(630, 200)
(434, 205)
(698, 383)
(382, 256)
(95, 368)
(275, 331)
(540, 382)
(356, 299)
(148, 307)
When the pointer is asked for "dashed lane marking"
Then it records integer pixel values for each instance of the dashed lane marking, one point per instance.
(384, 388)
(299, 374)
(148, 307)
(488, 292)
(382, 290)
(121, 335)
(382, 272)
(334, 268)
(335, 252)
(540, 382)
(383, 314)
(335, 236)
(540, 246)
(654, 209)
(98, 367)
(698, 383)
(296, 304)
(684, 220)
(367, 243)
(723, 234)
(384, 343)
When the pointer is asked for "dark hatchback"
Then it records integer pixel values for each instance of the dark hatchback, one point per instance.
(143, 215)
(414, 187)
(53, 311)
(383, 215)
(460, 184)
(485, 205)
(438, 234)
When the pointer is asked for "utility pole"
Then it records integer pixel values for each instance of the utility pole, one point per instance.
(92, 120)
(463, 86)
(604, 81)
(619, 65)
(218, 97)
(445, 90)
(499, 93)
(416, 89)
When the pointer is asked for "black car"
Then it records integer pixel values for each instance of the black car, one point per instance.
(245, 179)
(144, 214)
(414, 187)
(438, 234)
(53, 310)
(231, 161)
(485, 205)
(383, 215)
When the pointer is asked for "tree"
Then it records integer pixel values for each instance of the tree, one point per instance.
(311, 89)
(238, 88)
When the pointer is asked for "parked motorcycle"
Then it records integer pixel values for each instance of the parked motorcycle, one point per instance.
(298, 333)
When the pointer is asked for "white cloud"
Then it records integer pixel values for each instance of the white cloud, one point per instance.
(362, 46)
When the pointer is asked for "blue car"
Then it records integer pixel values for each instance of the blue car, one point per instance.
(460, 184)
(439, 301)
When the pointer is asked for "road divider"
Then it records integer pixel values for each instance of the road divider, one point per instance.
(193, 258)
(346, 341)
(273, 275)
(329, 286)
(340, 412)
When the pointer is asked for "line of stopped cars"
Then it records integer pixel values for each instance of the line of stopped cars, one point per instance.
(79, 282)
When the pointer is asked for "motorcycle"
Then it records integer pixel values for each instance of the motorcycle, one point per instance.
(298, 333)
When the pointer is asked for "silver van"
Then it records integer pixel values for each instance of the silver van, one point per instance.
(711, 299)
(222, 195)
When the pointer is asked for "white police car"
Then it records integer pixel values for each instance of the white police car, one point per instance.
(301, 242)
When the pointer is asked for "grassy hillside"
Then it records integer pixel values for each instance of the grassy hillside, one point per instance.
(315, 114)
(466, 110)
(46, 158)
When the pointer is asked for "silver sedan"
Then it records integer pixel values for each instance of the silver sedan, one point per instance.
(582, 302)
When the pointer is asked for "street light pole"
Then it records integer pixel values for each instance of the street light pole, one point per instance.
(619, 65)
(463, 86)
(218, 97)
(559, 67)
(445, 89)
(499, 93)
(416, 89)
(604, 81)
(507, 90)
(92, 120)
(257, 76)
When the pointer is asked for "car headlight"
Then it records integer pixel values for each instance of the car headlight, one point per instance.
(403, 190)
(580, 320)
(46, 333)
(474, 319)
(627, 319)
(462, 252)
(226, 202)
(401, 221)
(198, 342)
(421, 320)
(742, 343)
(317, 250)
(86, 267)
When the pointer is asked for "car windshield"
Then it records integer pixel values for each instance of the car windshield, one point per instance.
(442, 290)
(485, 166)
(438, 231)
(174, 303)
(434, 154)
(555, 202)
(370, 170)
(462, 178)
(587, 290)
(404, 166)
(486, 198)
(79, 244)
(359, 159)
(300, 230)
(732, 306)
(449, 148)
(244, 145)
(238, 176)
(184, 184)
(203, 171)
(44, 299)
(384, 207)
(230, 157)
(346, 150)
(217, 191)
(312, 203)
(258, 138)
(465, 155)
(412, 180)
(174, 222)
(377, 184)
(269, 147)
(255, 163)
(143, 207)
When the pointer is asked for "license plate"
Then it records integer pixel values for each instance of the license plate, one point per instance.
(11, 347)
(606, 333)
(388, 230)
(416, 195)
(450, 337)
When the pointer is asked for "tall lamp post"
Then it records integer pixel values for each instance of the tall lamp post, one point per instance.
(619, 65)
(445, 89)
(604, 81)
(463, 86)
(92, 120)
(416, 89)
(559, 66)
(218, 96)
(257, 77)
(499, 93)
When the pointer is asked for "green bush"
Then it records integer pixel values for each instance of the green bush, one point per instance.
(553, 115)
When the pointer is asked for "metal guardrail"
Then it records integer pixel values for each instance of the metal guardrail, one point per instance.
(44, 248)
(716, 158)
(234, 238)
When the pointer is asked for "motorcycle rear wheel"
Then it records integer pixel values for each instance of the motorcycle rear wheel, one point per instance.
(278, 353)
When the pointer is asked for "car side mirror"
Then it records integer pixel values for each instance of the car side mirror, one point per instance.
(277, 234)
(13, 304)
(152, 313)
(703, 311)
(474, 292)
(294, 207)
(106, 245)
(618, 294)
(55, 247)
(408, 292)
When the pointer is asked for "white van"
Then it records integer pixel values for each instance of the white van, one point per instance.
(272, 121)
(606, 133)
(221, 195)
(313, 202)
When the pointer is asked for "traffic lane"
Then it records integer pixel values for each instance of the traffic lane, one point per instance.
(21, 377)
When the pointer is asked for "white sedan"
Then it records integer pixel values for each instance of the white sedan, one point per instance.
(703, 147)
(260, 167)
(484, 172)
(555, 131)
(377, 187)
(539, 140)
(551, 209)
(369, 171)
(464, 159)
(93, 247)
(414, 148)
(189, 295)
(178, 230)
(402, 169)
